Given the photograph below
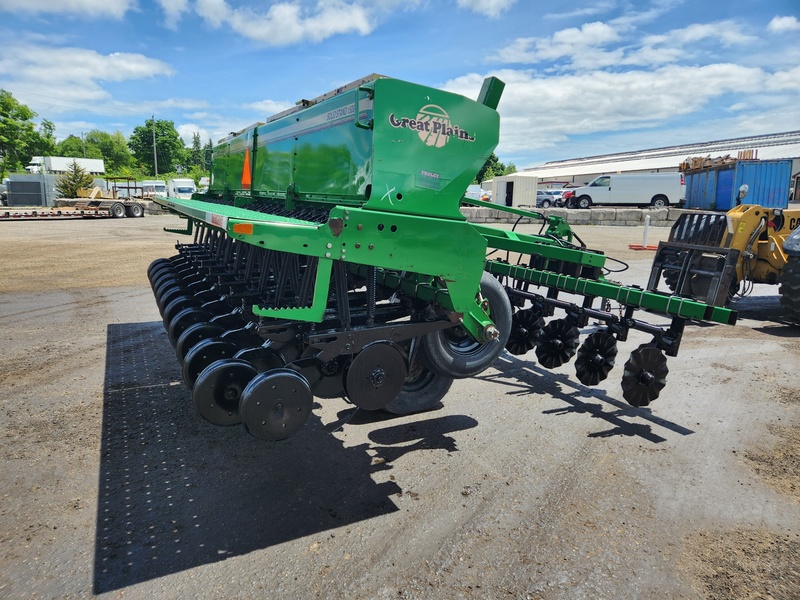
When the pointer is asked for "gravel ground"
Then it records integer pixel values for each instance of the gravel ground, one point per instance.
(524, 484)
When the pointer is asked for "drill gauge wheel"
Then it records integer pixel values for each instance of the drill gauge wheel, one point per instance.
(422, 390)
(218, 389)
(276, 404)
(453, 353)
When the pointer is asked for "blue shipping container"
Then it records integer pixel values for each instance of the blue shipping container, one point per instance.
(717, 188)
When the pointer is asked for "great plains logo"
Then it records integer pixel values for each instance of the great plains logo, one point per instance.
(432, 125)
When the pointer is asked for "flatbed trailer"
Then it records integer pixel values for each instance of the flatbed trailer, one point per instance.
(94, 209)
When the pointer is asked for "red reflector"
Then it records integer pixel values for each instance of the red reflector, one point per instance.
(243, 228)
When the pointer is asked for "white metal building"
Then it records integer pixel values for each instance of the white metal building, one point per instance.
(519, 189)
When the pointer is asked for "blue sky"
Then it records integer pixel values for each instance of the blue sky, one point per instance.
(582, 78)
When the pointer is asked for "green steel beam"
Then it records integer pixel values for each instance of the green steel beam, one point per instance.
(629, 296)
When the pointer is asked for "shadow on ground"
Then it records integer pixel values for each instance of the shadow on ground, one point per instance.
(176, 492)
(522, 376)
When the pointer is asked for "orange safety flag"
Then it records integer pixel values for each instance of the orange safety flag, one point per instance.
(246, 177)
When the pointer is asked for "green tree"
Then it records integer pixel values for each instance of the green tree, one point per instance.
(18, 136)
(74, 147)
(73, 180)
(169, 146)
(208, 152)
(493, 167)
(46, 144)
(196, 158)
(490, 168)
(113, 149)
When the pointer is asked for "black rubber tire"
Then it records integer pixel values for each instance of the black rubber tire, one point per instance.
(117, 210)
(422, 391)
(790, 290)
(545, 203)
(134, 211)
(660, 201)
(453, 353)
(584, 202)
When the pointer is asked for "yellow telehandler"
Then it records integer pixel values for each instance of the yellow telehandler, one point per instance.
(717, 257)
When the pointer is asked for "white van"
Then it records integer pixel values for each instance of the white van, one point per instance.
(633, 189)
(181, 188)
(153, 187)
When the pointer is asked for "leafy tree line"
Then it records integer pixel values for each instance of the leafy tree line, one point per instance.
(21, 139)
(493, 167)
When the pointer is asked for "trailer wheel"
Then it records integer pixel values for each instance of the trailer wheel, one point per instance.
(134, 210)
(117, 210)
(790, 290)
(453, 353)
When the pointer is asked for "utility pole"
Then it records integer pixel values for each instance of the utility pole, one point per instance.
(83, 143)
(155, 155)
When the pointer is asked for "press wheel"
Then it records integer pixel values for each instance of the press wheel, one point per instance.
(262, 358)
(596, 358)
(203, 354)
(376, 375)
(219, 387)
(275, 404)
(557, 343)
(644, 376)
(194, 335)
(326, 379)
(184, 319)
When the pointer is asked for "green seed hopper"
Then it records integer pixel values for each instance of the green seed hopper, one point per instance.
(330, 258)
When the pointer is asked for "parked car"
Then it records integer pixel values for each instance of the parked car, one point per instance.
(548, 198)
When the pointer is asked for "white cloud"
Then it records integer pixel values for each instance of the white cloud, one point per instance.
(490, 8)
(267, 108)
(287, 23)
(73, 78)
(83, 8)
(537, 110)
(173, 9)
(727, 33)
(186, 132)
(598, 45)
(589, 11)
(782, 24)
(572, 43)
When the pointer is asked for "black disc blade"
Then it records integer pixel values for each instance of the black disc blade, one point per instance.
(275, 404)
(526, 325)
(596, 358)
(376, 375)
(557, 343)
(219, 388)
(645, 376)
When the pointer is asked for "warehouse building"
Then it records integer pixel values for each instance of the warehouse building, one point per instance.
(519, 189)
